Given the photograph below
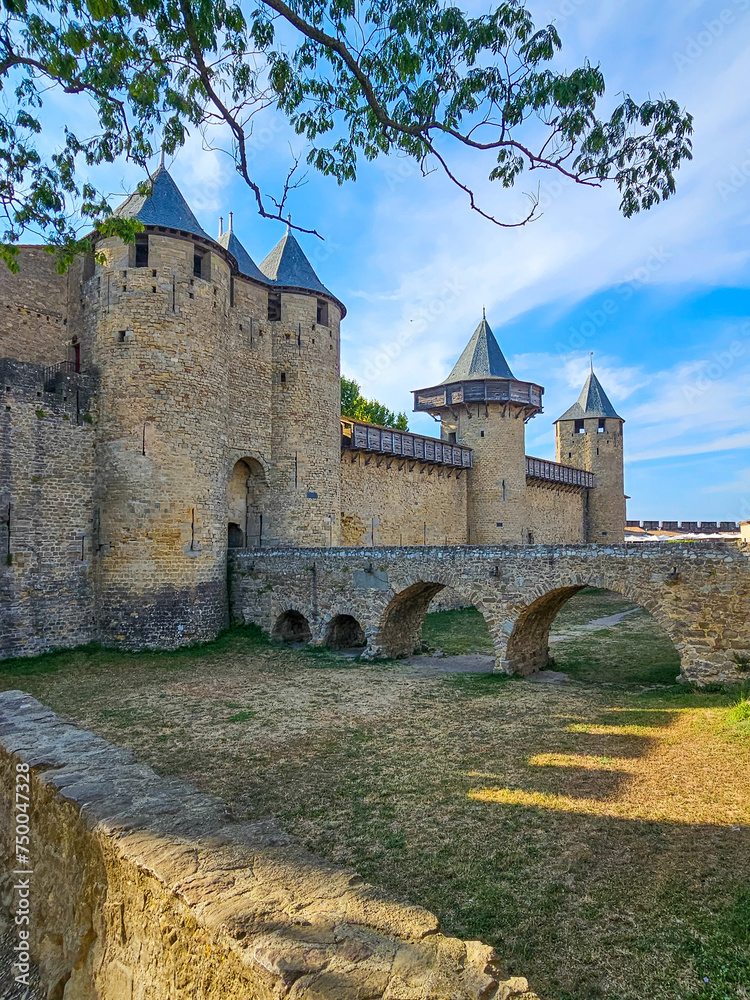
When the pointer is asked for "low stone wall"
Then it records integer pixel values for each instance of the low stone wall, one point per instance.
(144, 888)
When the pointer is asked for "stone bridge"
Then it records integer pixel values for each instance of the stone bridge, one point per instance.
(698, 592)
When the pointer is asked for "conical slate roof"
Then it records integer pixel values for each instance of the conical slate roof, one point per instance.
(245, 262)
(165, 206)
(593, 402)
(481, 358)
(287, 265)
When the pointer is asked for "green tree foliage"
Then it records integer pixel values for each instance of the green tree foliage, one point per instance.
(416, 78)
(354, 405)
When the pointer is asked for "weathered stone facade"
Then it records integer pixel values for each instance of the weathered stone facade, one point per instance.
(386, 500)
(143, 888)
(46, 510)
(700, 595)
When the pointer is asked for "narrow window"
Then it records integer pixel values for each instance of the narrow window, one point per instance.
(231, 291)
(602, 425)
(579, 428)
(274, 306)
(141, 251)
(452, 436)
(283, 376)
(322, 312)
(198, 265)
(481, 434)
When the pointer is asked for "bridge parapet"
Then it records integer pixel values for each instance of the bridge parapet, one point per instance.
(699, 594)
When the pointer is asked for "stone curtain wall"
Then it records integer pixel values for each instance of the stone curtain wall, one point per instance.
(394, 501)
(143, 889)
(700, 594)
(34, 309)
(556, 514)
(46, 531)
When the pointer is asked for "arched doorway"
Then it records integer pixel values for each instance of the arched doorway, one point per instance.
(245, 501)
(344, 632)
(293, 627)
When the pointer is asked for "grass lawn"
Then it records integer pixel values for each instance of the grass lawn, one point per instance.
(597, 832)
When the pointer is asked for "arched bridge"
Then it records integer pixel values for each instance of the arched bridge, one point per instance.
(699, 593)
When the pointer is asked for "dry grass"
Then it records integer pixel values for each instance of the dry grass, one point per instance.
(597, 835)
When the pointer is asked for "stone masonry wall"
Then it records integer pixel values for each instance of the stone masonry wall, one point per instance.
(304, 501)
(46, 507)
(700, 595)
(143, 888)
(33, 309)
(556, 513)
(600, 452)
(159, 336)
(497, 510)
(387, 500)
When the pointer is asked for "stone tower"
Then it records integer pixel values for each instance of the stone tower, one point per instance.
(155, 330)
(589, 436)
(305, 399)
(482, 405)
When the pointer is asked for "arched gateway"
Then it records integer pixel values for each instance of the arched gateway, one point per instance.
(699, 594)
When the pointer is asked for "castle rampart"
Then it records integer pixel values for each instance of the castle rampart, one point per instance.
(194, 408)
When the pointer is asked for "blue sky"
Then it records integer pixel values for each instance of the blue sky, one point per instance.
(663, 299)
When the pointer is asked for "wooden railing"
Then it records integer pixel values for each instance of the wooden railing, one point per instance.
(540, 468)
(361, 436)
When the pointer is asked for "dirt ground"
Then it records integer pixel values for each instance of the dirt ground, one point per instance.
(596, 832)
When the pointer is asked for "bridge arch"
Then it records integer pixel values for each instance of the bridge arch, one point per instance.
(344, 631)
(528, 625)
(399, 630)
(292, 626)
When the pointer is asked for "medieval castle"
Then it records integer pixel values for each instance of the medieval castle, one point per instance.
(181, 400)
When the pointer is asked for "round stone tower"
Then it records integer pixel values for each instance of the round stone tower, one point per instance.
(156, 333)
(303, 319)
(483, 406)
(589, 436)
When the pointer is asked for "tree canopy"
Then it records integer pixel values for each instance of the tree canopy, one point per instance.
(415, 78)
(354, 405)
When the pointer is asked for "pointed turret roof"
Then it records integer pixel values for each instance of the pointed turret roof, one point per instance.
(287, 265)
(165, 206)
(481, 358)
(245, 262)
(593, 402)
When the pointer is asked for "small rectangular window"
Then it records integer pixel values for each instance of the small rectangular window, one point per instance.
(141, 251)
(198, 265)
(231, 292)
(274, 306)
(602, 425)
(579, 428)
(322, 312)
(283, 377)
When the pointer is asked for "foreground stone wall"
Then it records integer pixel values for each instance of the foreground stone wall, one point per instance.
(389, 500)
(143, 888)
(46, 510)
(700, 595)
